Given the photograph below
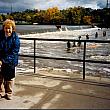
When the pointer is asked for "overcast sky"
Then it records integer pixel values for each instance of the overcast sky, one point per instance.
(20, 5)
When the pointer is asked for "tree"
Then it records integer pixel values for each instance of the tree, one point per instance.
(1, 18)
(52, 14)
(74, 15)
(9, 17)
(87, 19)
(28, 18)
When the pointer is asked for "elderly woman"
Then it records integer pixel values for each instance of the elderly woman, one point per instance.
(9, 48)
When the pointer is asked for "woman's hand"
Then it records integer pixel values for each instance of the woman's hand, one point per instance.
(0, 63)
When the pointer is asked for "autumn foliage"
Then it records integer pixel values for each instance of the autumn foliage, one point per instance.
(72, 15)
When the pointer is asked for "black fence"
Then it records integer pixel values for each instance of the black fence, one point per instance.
(69, 59)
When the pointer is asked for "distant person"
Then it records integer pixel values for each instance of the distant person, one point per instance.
(104, 33)
(74, 44)
(59, 27)
(87, 36)
(9, 48)
(79, 42)
(96, 34)
(68, 45)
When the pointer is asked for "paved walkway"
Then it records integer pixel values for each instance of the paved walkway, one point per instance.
(48, 93)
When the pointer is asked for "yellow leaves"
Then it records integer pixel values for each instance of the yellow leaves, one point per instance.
(52, 12)
(87, 19)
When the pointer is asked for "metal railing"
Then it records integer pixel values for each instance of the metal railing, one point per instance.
(69, 59)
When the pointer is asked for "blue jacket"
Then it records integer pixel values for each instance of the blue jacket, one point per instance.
(9, 48)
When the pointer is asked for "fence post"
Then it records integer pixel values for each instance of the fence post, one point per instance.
(84, 54)
(34, 55)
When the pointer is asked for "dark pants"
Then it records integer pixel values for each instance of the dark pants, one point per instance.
(7, 76)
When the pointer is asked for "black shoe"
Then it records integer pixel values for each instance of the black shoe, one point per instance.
(8, 97)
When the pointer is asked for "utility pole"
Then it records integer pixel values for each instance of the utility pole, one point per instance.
(107, 4)
(11, 8)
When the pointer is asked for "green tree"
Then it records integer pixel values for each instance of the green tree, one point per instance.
(1, 18)
(28, 18)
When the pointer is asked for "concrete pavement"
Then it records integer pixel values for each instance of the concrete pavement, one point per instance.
(48, 93)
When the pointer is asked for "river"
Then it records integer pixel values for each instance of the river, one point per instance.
(94, 51)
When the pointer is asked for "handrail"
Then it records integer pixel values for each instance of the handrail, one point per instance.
(70, 59)
(89, 40)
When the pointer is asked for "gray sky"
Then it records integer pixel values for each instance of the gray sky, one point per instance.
(20, 5)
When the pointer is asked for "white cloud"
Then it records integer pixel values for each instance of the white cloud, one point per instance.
(19, 5)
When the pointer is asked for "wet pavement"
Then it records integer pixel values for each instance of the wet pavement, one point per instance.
(41, 92)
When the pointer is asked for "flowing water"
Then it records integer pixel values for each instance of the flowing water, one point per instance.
(95, 51)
